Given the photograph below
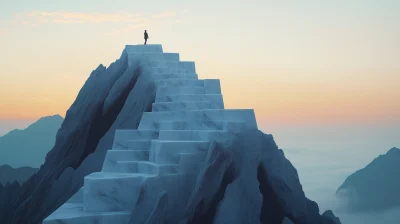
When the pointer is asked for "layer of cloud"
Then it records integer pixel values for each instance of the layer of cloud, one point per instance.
(126, 21)
(89, 18)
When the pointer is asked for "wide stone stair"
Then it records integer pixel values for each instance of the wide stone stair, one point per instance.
(170, 144)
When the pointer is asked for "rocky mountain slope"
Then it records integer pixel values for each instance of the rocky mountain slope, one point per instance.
(246, 179)
(28, 147)
(21, 174)
(375, 187)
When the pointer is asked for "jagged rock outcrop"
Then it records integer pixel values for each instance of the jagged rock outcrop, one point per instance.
(375, 187)
(28, 147)
(112, 98)
(258, 185)
(21, 174)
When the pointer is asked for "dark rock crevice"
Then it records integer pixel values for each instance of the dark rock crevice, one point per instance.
(206, 213)
(271, 210)
(104, 119)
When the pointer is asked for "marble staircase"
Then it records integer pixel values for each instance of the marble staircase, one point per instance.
(170, 143)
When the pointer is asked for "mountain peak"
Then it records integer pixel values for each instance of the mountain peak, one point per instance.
(32, 142)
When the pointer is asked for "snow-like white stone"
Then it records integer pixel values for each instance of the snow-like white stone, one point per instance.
(246, 115)
(114, 156)
(139, 144)
(121, 191)
(73, 213)
(212, 86)
(173, 57)
(146, 167)
(199, 125)
(112, 191)
(193, 135)
(174, 106)
(124, 135)
(188, 65)
(182, 90)
(149, 48)
(175, 75)
(215, 100)
(180, 82)
(167, 152)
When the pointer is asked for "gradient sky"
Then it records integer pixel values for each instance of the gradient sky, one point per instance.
(294, 62)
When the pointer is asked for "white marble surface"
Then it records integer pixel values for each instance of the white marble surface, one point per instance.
(112, 191)
(215, 100)
(149, 48)
(191, 158)
(139, 144)
(188, 65)
(146, 167)
(175, 106)
(199, 125)
(122, 137)
(113, 156)
(167, 152)
(170, 57)
(193, 135)
(246, 115)
(165, 64)
(175, 75)
(73, 213)
(180, 82)
(212, 86)
(181, 90)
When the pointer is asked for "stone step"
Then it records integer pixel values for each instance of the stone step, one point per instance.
(114, 156)
(180, 82)
(193, 135)
(175, 75)
(149, 119)
(122, 137)
(227, 125)
(73, 213)
(105, 191)
(167, 152)
(192, 158)
(146, 167)
(166, 70)
(187, 65)
(172, 57)
(168, 90)
(149, 48)
(215, 100)
(211, 86)
(174, 106)
(139, 144)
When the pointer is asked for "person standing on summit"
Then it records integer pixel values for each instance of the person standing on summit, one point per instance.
(146, 36)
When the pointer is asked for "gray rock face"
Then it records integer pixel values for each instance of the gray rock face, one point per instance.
(375, 187)
(244, 180)
(260, 186)
(330, 218)
(82, 140)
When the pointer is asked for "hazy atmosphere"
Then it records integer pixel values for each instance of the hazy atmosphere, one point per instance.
(322, 76)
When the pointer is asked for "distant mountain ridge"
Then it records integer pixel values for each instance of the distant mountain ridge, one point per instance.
(375, 187)
(28, 147)
(9, 174)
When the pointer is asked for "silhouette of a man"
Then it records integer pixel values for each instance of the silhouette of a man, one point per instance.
(146, 36)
